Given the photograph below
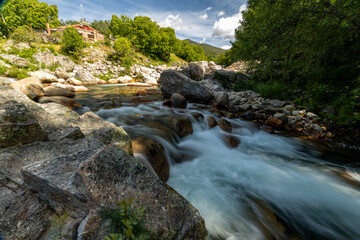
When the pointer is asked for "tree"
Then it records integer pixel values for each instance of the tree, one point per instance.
(30, 13)
(102, 26)
(23, 34)
(122, 46)
(72, 41)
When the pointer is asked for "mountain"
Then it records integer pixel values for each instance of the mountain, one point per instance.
(211, 51)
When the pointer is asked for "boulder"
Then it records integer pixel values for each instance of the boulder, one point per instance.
(86, 77)
(46, 58)
(175, 82)
(15, 60)
(221, 99)
(74, 81)
(30, 86)
(150, 80)
(44, 76)
(225, 125)
(274, 123)
(178, 101)
(213, 85)
(58, 91)
(198, 70)
(154, 153)
(67, 102)
(18, 125)
(65, 63)
(6, 81)
(232, 141)
(113, 81)
(163, 130)
(277, 103)
(61, 73)
(4, 64)
(182, 126)
(100, 81)
(68, 87)
(125, 79)
(22, 46)
(211, 122)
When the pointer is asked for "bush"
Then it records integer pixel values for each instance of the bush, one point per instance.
(18, 73)
(72, 41)
(126, 222)
(23, 34)
(122, 46)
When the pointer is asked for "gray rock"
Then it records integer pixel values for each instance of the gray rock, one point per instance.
(46, 58)
(71, 133)
(44, 76)
(67, 102)
(18, 125)
(57, 91)
(174, 82)
(4, 64)
(277, 103)
(212, 85)
(65, 63)
(15, 60)
(182, 126)
(178, 101)
(86, 77)
(61, 73)
(198, 70)
(31, 87)
(22, 46)
(221, 99)
(5, 81)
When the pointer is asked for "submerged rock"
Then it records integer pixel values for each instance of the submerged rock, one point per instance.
(178, 101)
(58, 91)
(181, 126)
(68, 102)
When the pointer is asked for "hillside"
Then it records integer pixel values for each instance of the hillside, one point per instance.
(209, 50)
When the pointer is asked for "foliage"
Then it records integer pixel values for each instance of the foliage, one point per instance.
(211, 52)
(3, 70)
(103, 26)
(31, 13)
(72, 41)
(126, 222)
(58, 224)
(313, 46)
(122, 46)
(23, 34)
(18, 73)
(189, 52)
(68, 22)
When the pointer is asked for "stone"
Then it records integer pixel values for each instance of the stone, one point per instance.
(298, 112)
(178, 101)
(74, 81)
(290, 108)
(175, 82)
(274, 123)
(150, 80)
(4, 64)
(100, 81)
(6, 81)
(65, 63)
(44, 76)
(232, 141)
(46, 58)
(22, 46)
(125, 79)
(61, 73)
(198, 69)
(225, 125)
(67, 102)
(311, 115)
(212, 85)
(179, 125)
(154, 153)
(68, 87)
(162, 129)
(81, 89)
(113, 81)
(221, 99)
(15, 60)
(58, 91)
(18, 125)
(277, 103)
(86, 77)
(211, 122)
(24, 216)
(71, 133)
(213, 66)
(30, 86)
(279, 115)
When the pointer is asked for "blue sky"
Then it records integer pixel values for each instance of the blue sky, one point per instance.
(208, 21)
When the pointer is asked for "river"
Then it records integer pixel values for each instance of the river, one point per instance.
(269, 187)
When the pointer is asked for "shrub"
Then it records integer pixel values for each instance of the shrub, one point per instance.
(23, 34)
(122, 46)
(126, 222)
(72, 41)
(18, 73)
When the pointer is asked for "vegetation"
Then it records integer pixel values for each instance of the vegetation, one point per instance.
(30, 13)
(23, 34)
(310, 46)
(126, 222)
(210, 51)
(72, 42)
(103, 26)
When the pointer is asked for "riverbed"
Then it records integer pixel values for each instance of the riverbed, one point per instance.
(268, 187)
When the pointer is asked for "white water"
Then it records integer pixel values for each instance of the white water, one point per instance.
(225, 184)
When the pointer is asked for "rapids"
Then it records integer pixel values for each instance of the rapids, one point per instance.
(270, 185)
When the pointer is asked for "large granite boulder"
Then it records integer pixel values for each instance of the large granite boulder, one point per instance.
(18, 125)
(154, 153)
(46, 58)
(15, 60)
(58, 91)
(86, 77)
(65, 101)
(31, 87)
(65, 63)
(198, 69)
(44, 76)
(175, 82)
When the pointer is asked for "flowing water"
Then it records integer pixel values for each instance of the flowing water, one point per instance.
(269, 185)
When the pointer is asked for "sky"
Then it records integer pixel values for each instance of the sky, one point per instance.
(206, 21)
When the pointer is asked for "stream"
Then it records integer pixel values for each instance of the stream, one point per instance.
(268, 187)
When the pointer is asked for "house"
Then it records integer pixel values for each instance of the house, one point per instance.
(88, 33)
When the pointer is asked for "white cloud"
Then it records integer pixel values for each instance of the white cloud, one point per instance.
(226, 47)
(225, 26)
(171, 20)
(204, 15)
(203, 40)
(221, 13)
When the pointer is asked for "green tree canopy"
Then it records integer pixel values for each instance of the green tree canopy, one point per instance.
(102, 26)
(72, 41)
(30, 13)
